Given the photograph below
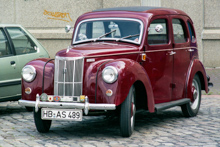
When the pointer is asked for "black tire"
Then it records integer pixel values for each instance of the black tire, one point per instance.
(191, 109)
(127, 115)
(42, 126)
(29, 109)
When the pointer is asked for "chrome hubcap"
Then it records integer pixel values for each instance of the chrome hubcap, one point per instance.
(133, 110)
(195, 92)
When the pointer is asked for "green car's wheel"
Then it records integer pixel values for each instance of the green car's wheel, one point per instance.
(29, 109)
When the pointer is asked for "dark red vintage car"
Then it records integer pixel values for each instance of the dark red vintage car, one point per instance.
(123, 59)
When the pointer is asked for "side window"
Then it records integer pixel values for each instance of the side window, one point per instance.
(22, 42)
(179, 31)
(191, 31)
(4, 44)
(158, 32)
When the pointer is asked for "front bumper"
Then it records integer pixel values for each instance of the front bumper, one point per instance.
(63, 105)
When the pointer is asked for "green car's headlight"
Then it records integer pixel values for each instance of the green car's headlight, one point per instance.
(109, 74)
(28, 73)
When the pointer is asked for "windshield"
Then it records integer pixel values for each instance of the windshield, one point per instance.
(118, 29)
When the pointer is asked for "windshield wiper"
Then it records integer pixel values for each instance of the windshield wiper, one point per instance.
(103, 35)
(129, 36)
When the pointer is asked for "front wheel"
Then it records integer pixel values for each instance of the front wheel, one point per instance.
(127, 116)
(192, 108)
(42, 126)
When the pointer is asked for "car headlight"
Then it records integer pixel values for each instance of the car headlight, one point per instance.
(109, 74)
(28, 73)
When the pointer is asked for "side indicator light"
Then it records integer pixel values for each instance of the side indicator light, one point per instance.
(109, 92)
(28, 90)
(143, 57)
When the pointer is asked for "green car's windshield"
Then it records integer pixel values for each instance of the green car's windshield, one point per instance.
(118, 29)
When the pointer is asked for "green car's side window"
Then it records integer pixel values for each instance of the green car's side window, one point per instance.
(21, 41)
(4, 45)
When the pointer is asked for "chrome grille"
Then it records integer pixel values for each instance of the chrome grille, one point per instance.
(68, 76)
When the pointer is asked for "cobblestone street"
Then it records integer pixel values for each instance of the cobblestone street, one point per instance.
(168, 128)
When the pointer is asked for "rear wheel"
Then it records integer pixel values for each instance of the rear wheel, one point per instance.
(192, 108)
(42, 126)
(127, 116)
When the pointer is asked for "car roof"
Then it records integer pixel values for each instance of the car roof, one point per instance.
(10, 25)
(136, 9)
(144, 9)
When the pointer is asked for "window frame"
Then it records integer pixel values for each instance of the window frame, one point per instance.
(25, 34)
(167, 32)
(9, 43)
(190, 27)
(185, 29)
(113, 39)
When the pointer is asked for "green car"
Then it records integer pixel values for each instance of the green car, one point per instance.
(17, 47)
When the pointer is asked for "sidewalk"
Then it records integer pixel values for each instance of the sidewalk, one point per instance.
(214, 74)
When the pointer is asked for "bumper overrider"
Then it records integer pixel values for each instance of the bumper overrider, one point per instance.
(86, 106)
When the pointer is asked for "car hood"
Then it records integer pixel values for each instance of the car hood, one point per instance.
(98, 49)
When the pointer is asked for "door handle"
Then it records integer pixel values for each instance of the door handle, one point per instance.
(12, 62)
(172, 53)
(190, 50)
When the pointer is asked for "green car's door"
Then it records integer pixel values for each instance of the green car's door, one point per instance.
(10, 77)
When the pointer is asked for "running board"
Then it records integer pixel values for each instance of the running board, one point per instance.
(163, 106)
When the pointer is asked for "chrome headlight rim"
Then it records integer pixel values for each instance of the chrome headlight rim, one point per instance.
(115, 74)
(32, 73)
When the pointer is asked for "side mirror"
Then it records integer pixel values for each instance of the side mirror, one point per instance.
(67, 28)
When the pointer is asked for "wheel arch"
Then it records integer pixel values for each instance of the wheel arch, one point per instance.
(141, 95)
(130, 73)
(196, 67)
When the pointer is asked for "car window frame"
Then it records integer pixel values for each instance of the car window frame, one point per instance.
(74, 42)
(12, 44)
(185, 27)
(12, 53)
(192, 30)
(160, 46)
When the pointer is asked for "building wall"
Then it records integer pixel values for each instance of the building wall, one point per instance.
(46, 20)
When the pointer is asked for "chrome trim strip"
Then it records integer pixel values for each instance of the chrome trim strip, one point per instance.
(113, 54)
(67, 105)
(161, 50)
(68, 58)
(10, 82)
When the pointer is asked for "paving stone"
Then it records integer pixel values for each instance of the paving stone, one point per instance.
(168, 128)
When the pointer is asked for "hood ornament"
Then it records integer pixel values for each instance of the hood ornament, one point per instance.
(68, 49)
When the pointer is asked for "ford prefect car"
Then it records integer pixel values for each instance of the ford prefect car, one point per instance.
(120, 59)
(17, 47)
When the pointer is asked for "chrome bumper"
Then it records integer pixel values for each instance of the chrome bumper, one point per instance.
(86, 106)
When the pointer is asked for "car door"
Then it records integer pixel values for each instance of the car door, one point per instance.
(182, 51)
(10, 77)
(24, 47)
(159, 58)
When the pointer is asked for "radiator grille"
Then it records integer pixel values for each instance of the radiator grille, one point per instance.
(68, 76)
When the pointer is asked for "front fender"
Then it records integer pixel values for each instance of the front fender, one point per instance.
(129, 72)
(36, 85)
(196, 67)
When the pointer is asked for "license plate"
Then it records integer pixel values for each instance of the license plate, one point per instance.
(61, 114)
